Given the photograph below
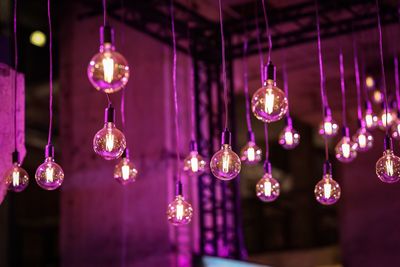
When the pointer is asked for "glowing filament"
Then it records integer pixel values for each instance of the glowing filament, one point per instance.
(369, 120)
(389, 119)
(125, 172)
(179, 212)
(389, 167)
(377, 96)
(194, 164)
(289, 138)
(251, 155)
(49, 174)
(327, 190)
(362, 140)
(267, 188)
(109, 142)
(269, 101)
(108, 69)
(15, 178)
(225, 163)
(346, 150)
(328, 127)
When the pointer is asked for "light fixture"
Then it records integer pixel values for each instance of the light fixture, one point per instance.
(268, 188)
(179, 211)
(391, 115)
(327, 191)
(369, 81)
(225, 164)
(109, 142)
(363, 138)
(38, 38)
(328, 127)
(194, 164)
(16, 178)
(289, 138)
(269, 103)
(370, 119)
(49, 175)
(251, 154)
(125, 171)
(377, 96)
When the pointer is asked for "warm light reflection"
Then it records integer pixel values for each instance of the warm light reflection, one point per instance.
(362, 141)
(109, 142)
(346, 150)
(179, 212)
(15, 178)
(269, 101)
(288, 138)
(369, 82)
(389, 167)
(327, 190)
(225, 162)
(267, 188)
(125, 170)
(194, 164)
(49, 174)
(251, 154)
(108, 68)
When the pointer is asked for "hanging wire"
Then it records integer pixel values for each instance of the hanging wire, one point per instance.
(396, 80)
(267, 31)
(286, 84)
(246, 85)
(266, 143)
(260, 53)
(358, 82)
(51, 73)
(343, 89)
(223, 65)
(15, 75)
(382, 64)
(104, 12)
(176, 108)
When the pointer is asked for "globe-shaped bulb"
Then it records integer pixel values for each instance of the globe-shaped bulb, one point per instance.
(364, 139)
(327, 190)
(328, 127)
(267, 188)
(108, 70)
(269, 103)
(179, 211)
(225, 164)
(49, 175)
(391, 118)
(346, 150)
(16, 178)
(396, 130)
(289, 138)
(251, 154)
(388, 167)
(194, 163)
(125, 171)
(109, 142)
(377, 96)
(370, 119)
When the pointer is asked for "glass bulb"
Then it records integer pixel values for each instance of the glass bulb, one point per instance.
(364, 139)
(251, 153)
(125, 171)
(225, 164)
(179, 211)
(289, 138)
(16, 178)
(346, 150)
(194, 163)
(267, 188)
(327, 190)
(391, 118)
(108, 70)
(377, 96)
(396, 130)
(269, 103)
(49, 175)
(328, 127)
(370, 119)
(388, 167)
(109, 142)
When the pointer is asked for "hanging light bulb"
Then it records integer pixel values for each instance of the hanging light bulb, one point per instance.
(179, 211)
(16, 178)
(289, 138)
(377, 96)
(225, 164)
(346, 150)
(251, 154)
(268, 188)
(388, 166)
(369, 82)
(194, 162)
(108, 70)
(390, 120)
(328, 127)
(125, 171)
(396, 130)
(327, 191)
(370, 119)
(269, 103)
(363, 138)
(49, 175)
(109, 142)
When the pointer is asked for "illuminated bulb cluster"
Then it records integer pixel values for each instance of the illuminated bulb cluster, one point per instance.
(269, 103)
(194, 164)
(16, 178)
(268, 188)
(364, 139)
(108, 70)
(49, 175)
(125, 171)
(251, 154)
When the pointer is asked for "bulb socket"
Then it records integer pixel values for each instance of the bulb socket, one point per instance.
(267, 167)
(109, 114)
(327, 167)
(327, 112)
(368, 105)
(178, 188)
(270, 71)
(15, 156)
(250, 136)
(388, 144)
(106, 35)
(346, 131)
(49, 151)
(125, 154)
(360, 123)
(226, 137)
(193, 145)
(288, 121)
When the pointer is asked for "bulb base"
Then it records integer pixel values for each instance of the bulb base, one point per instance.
(327, 112)
(109, 114)
(267, 167)
(346, 131)
(125, 154)
(106, 35)
(388, 144)
(270, 71)
(327, 167)
(193, 145)
(250, 136)
(226, 137)
(368, 105)
(15, 156)
(178, 188)
(49, 151)
(288, 121)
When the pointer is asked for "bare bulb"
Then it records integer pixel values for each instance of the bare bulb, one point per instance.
(194, 163)
(125, 171)
(364, 139)
(327, 191)
(251, 154)
(391, 118)
(328, 127)
(49, 175)
(225, 164)
(268, 188)
(388, 167)
(377, 96)
(346, 150)
(370, 119)
(289, 138)
(109, 142)
(16, 178)
(179, 211)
